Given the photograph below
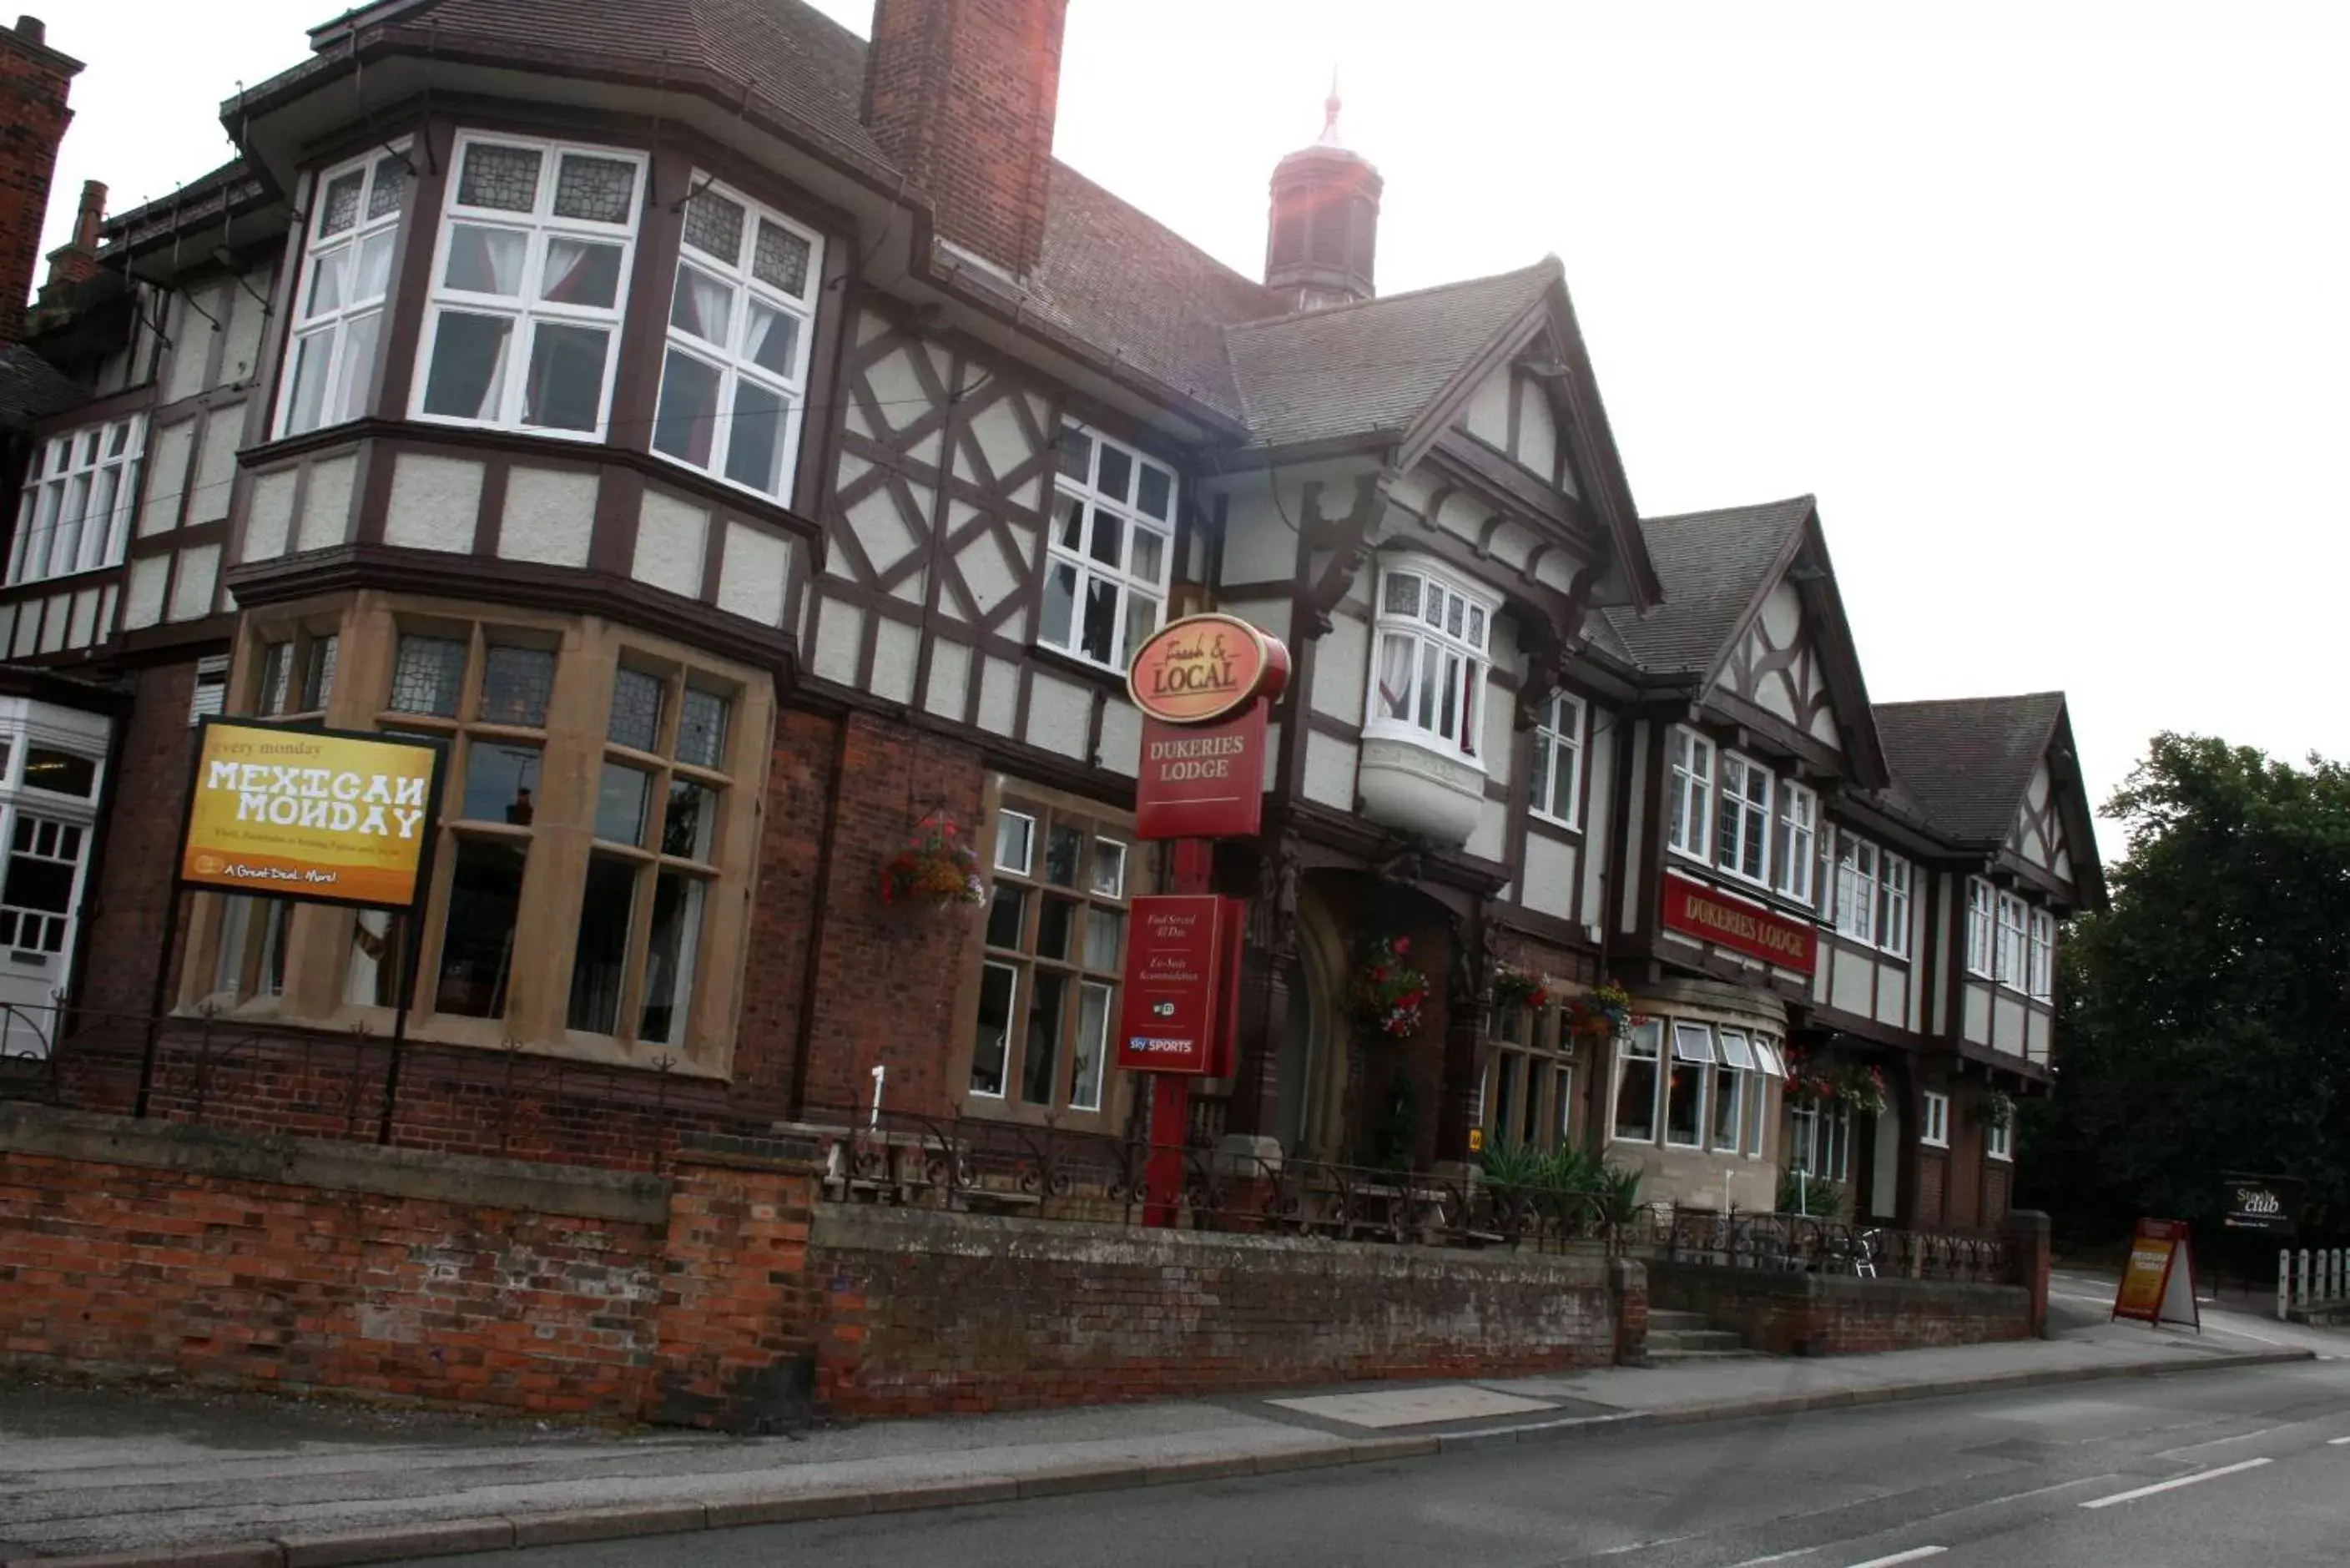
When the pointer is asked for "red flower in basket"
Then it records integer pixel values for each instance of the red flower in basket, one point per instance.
(936, 868)
(1389, 992)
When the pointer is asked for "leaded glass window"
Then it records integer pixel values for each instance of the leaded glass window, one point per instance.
(427, 675)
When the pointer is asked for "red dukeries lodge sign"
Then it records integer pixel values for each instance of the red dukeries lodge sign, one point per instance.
(1695, 910)
(1205, 684)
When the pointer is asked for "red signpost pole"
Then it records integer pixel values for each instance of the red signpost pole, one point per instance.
(1170, 1093)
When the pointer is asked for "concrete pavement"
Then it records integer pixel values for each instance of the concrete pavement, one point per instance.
(288, 1482)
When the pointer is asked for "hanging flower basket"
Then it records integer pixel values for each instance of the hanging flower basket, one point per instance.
(1603, 1013)
(1995, 1109)
(936, 869)
(1389, 992)
(1862, 1088)
(1519, 988)
(1817, 1083)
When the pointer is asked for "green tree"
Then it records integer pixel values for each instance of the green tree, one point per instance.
(2206, 1014)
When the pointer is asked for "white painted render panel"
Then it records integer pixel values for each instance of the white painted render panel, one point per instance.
(325, 519)
(7, 626)
(1537, 431)
(754, 576)
(838, 632)
(1976, 1020)
(191, 590)
(434, 500)
(880, 529)
(1892, 994)
(1853, 987)
(949, 684)
(2007, 1023)
(550, 516)
(1329, 771)
(1121, 738)
(105, 611)
(1599, 804)
(999, 695)
(1556, 570)
(192, 331)
(269, 518)
(27, 640)
(1782, 614)
(896, 648)
(1268, 616)
(1488, 418)
(1635, 825)
(142, 605)
(216, 465)
(1342, 671)
(1513, 546)
(1057, 713)
(2036, 1035)
(54, 611)
(167, 477)
(671, 536)
(83, 631)
(1490, 839)
(248, 315)
(1548, 884)
(996, 431)
(1821, 971)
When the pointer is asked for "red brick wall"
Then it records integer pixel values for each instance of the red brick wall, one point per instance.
(927, 1313)
(1819, 1314)
(1933, 1174)
(961, 95)
(34, 83)
(738, 1311)
(123, 923)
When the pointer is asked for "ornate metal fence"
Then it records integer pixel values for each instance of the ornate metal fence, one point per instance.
(1795, 1244)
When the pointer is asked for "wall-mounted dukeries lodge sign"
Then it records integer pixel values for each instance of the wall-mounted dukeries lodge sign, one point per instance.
(1205, 684)
(1695, 910)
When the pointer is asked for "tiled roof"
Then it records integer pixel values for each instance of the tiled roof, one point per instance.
(1967, 762)
(1711, 564)
(31, 389)
(1373, 366)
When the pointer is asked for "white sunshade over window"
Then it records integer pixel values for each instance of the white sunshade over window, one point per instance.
(1766, 1058)
(1734, 1053)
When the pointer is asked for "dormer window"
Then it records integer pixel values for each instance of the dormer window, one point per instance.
(529, 280)
(1111, 548)
(1435, 639)
(339, 311)
(734, 376)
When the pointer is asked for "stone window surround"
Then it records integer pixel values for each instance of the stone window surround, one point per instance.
(1141, 877)
(367, 624)
(1538, 1048)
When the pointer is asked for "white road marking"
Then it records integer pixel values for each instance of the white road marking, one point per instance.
(2215, 1442)
(2337, 1442)
(2175, 1481)
(1775, 1557)
(1909, 1556)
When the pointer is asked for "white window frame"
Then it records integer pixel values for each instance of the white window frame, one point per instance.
(1689, 800)
(1692, 1046)
(71, 466)
(2014, 923)
(1856, 864)
(1980, 929)
(1078, 559)
(1894, 881)
(2040, 969)
(1645, 1043)
(1743, 797)
(1740, 1072)
(1558, 760)
(1822, 1137)
(1934, 1121)
(1796, 841)
(1450, 654)
(730, 362)
(523, 307)
(340, 402)
(1999, 1142)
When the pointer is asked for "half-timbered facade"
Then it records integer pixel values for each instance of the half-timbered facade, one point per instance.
(749, 448)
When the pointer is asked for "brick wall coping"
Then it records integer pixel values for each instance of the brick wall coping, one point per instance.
(1850, 1288)
(475, 1181)
(856, 1226)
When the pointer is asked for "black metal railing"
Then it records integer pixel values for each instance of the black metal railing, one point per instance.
(1796, 1244)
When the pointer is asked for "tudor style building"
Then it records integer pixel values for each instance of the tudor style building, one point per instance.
(747, 447)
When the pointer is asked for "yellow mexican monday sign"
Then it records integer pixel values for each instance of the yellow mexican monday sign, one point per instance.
(306, 814)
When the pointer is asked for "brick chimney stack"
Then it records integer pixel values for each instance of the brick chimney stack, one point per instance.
(961, 94)
(34, 81)
(76, 261)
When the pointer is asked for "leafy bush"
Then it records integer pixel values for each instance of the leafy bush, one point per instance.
(1812, 1197)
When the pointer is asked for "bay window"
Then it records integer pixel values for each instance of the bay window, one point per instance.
(331, 353)
(1557, 785)
(1688, 800)
(1979, 927)
(1633, 1119)
(2042, 965)
(529, 281)
(1797, 842)
(2013, 922)
(1893, 905)
(1434, 646)
(1855, 889)
(1054, 934)
(1742, 820)
(734, 371)
(1685, 1086)
(74, 514)
(1111, 551)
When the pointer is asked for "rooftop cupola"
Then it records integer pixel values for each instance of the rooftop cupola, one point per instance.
(1326, 219)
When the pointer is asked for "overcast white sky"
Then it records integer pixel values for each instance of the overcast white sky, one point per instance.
(2049, 302)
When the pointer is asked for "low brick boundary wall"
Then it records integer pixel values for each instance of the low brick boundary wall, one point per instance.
(927, 1312)
(1838, 1314)
(719, 1294)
